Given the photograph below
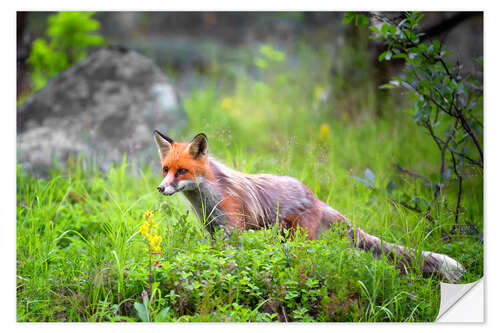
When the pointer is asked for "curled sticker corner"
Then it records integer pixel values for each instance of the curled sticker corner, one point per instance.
(451, 295)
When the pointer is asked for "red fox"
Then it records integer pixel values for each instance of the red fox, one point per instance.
(222, 197)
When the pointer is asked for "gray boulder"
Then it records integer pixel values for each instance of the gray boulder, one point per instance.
(106, 105)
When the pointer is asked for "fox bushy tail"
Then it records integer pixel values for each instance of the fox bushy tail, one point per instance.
(403, 257)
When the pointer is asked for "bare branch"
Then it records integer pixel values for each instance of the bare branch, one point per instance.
(469, 131)
(414, 174)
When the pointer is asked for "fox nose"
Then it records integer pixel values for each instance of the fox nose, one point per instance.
(161, 188)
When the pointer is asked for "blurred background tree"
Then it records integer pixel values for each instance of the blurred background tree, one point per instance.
(186, 44)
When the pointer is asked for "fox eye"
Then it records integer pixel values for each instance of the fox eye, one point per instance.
(165, 169)
(180, 171)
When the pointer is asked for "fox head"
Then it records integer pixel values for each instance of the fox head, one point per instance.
(183, 164)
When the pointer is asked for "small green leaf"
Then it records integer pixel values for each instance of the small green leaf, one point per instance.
(370, 175)
(407, 85)
(142, 311)
(163, 315)
(348, 17)
(386, 86)
(362, 20)
(400, 56)
(385, 28)
(382, 56)
(388, 55)
(364, 181)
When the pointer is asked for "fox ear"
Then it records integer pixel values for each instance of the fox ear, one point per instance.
(198, 148)
(164, 143)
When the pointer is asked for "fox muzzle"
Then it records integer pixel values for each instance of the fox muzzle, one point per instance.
(168, 186)
(167, 190)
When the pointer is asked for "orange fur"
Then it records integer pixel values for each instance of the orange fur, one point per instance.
(179, 157)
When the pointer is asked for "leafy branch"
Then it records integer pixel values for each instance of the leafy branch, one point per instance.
(446, 104)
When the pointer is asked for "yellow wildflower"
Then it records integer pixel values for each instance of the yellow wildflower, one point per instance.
(227, 103)
(148, 214)
(155, 242)
(149, 230)
(145, 228)
(324, 131)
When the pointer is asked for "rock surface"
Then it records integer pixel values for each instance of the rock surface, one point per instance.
(106, 105)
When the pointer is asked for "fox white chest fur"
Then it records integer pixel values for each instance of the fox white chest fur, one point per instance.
(205, 198)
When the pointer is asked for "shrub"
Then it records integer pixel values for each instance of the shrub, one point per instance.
(70, 34)
(447, 104)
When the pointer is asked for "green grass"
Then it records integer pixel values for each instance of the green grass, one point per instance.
(80, 256)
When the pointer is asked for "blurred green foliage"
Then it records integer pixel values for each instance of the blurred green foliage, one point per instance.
(447, 104)
(269, 54)
(69, 36)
